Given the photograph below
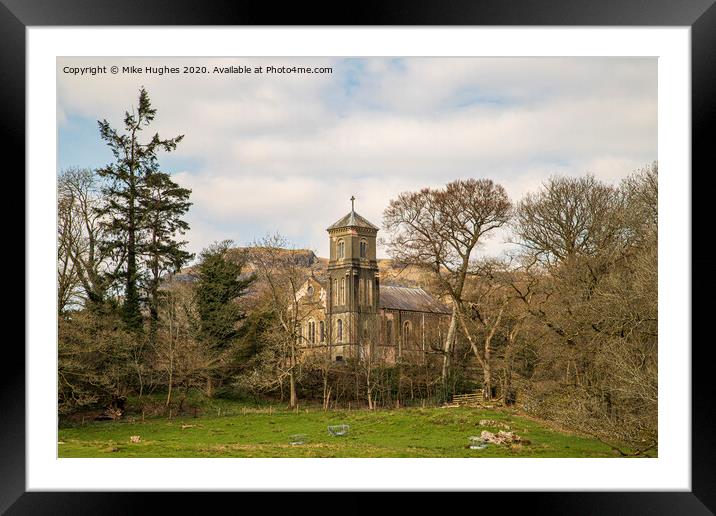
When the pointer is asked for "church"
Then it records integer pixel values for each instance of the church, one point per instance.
(349, 314)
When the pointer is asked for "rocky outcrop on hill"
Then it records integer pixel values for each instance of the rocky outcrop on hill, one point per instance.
(301, 257)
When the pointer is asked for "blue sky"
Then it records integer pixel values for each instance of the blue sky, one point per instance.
(267, 153)
(79, 145)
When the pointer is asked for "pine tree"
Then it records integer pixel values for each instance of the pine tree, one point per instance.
(162, 203)
(219, 284)
(134, 162)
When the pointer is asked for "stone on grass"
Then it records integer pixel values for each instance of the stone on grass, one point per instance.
(501, 437)
(492, 422)
(297, 439)
(338, 430)
(477, 443)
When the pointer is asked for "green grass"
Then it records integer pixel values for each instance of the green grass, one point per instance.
(408, 432)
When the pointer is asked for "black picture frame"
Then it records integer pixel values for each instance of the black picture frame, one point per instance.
(699, 15)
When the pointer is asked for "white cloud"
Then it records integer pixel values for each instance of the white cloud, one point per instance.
(285, 152)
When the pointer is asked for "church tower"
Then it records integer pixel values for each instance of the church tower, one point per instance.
(353, 286)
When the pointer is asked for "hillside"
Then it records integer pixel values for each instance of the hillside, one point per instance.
(390, 274)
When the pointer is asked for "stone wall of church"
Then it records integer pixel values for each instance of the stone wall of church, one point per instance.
(312, 316)
(386, 335)
(412, 336)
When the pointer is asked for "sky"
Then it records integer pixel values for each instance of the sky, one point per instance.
(266, 153)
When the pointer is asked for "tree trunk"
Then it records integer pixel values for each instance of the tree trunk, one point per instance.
(292, 379)
(399, 392)
(326, 398)
(292, 382)
(169, 390)
(132, 315)
(509, 395)
(487, 371)
(153, 320)
(369, 388)
(139, 377)
(154, 295)
(487, 382)
(446, 350)
(171, 356)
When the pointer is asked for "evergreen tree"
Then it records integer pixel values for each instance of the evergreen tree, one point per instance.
(122, 213)
(162, 203)
(219, 284)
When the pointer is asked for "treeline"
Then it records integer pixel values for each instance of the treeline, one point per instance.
(565, 326)
(127, 326)
(588, 291)
(119, 232)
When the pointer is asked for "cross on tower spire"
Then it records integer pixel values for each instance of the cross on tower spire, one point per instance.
(352, 203)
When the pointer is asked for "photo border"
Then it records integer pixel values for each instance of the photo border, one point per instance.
(700, 15)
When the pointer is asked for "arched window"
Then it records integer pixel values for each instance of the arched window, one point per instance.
(339, 330)
(407, 331)
(342, 296)
(334, 290)
(369, 292)
(322, 331)
(363, 248)
(311, 332)
(341, 250)
(389, 332)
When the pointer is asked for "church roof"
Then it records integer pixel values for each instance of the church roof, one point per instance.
(354, 220)
(413, 299)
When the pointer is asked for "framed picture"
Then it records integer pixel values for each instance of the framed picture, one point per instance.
(322, 175)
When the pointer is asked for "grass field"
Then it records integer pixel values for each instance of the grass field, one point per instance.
(252, 432)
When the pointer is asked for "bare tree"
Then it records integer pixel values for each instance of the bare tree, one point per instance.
(281, 277)
(438, 230)
(569, 217)
(484, 307)
(641, 204)
(69, 234)
(491, 310)
(368, 361)
(180, 356)
(84, 266)
(596, 295)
